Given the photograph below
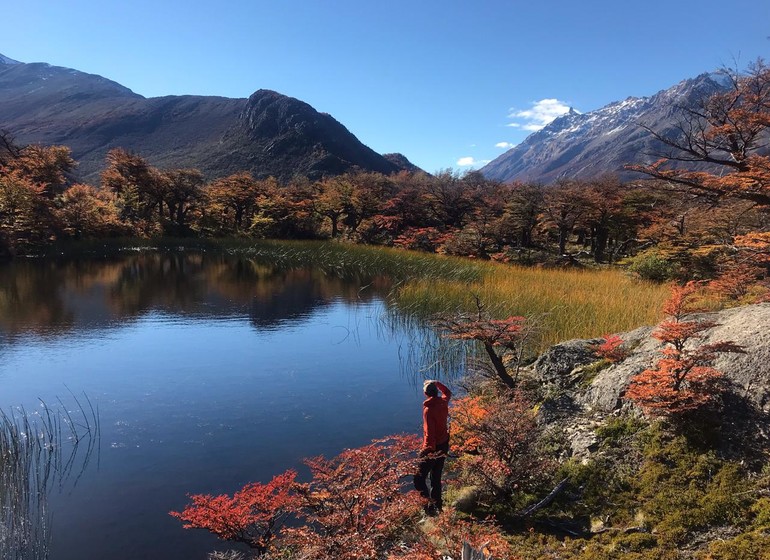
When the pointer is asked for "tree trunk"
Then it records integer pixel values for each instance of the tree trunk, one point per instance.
(563, 234)
(335, 227)
(525, 240)
(497, 362)
(600, 244)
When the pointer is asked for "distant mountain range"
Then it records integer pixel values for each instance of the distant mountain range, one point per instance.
(268, 134)
(585, 145)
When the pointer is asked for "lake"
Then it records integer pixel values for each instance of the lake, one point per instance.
(208, 370)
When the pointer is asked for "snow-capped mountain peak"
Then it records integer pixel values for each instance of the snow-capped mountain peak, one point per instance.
(584, 145)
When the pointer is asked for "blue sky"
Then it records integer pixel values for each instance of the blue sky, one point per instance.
(439, 81)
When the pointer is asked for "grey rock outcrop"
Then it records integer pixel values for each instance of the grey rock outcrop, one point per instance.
(557, 365)
(578, 399)
(747, 373)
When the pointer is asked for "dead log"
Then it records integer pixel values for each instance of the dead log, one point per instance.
(545, 501)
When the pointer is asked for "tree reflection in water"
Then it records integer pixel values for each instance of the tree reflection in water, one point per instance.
(53, 297)
(50, 298)
(181, 343)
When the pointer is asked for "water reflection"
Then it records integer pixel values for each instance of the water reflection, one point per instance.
(210, 371)
(50, 298)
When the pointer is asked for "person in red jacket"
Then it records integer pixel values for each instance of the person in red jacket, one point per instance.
(435, 443)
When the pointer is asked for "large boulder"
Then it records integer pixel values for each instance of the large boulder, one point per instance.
(580, 392)
(556, 366)
(747, 373)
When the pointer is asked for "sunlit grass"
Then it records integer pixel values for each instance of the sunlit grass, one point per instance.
(562, 304)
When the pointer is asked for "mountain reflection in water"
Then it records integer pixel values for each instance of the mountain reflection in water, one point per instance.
(53, 297)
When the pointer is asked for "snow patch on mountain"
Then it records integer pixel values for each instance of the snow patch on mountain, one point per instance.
(8, 61)
(582, 145)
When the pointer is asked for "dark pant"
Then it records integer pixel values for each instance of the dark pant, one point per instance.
(430, 467)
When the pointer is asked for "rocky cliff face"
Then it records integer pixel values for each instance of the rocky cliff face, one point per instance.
(403, 164)
(268, 134)
(603, 141)
(578, 404)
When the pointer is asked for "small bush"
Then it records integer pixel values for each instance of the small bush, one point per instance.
(651, 265)
(746, 546)
(761, 511)
(497, 440)
(617, 429)
(684, 490)
(611, 348)
(635, 542)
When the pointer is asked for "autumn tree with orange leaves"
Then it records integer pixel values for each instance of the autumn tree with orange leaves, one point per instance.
(30, 177)
(502, 339)
(85, 211)
(497, 438)
(26, 220)
(727, 131)
(684, 379)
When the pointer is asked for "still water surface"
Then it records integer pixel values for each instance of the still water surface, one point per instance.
(209, 371)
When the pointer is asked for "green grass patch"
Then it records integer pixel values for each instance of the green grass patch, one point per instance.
(618, 429)
(649, 494)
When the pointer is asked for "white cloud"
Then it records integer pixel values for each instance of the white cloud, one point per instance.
(504, 145)
(539, 115)
(470, 161)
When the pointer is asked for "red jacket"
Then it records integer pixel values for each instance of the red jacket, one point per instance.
(435, 415)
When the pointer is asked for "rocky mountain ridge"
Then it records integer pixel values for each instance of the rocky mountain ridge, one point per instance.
(584, 145)
(268, 134)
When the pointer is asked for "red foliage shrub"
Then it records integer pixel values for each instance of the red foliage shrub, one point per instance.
(736, 281)
(611, 348)
(252, 515)
(450, 531)
(497, 438)
(355, 505)
(683, 380)
(421, 239)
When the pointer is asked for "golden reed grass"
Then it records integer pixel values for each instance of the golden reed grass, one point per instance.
(562, 304)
